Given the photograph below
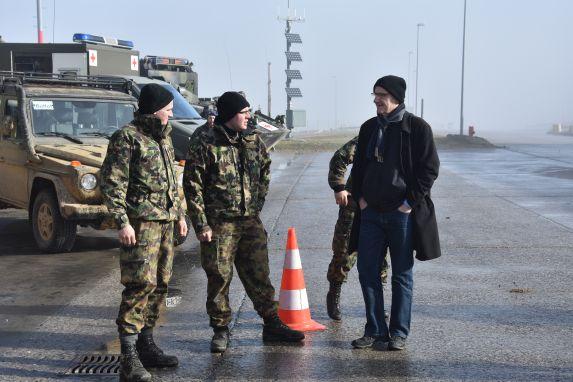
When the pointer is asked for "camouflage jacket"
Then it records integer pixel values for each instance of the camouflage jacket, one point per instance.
(225, 177)
(339, 162)
(138, 179)
(199, 131)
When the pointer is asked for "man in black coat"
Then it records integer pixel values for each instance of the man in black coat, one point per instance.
(395, 166)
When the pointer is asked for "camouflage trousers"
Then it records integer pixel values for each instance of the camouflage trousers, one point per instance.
(242, 242)
(145, 273)
(342, 261)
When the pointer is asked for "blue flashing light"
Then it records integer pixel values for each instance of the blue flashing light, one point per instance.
(84, 37)
(89, 38)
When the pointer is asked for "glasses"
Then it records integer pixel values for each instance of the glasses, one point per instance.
(380, 95)
(245, 112)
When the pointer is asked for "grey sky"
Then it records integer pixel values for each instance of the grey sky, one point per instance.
(518, 55)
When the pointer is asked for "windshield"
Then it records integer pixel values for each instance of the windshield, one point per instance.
(52, 117)
(181, 108)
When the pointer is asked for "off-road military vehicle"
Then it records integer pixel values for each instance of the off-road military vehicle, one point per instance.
(54, 133)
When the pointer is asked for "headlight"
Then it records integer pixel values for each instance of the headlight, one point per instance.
(180, 180)
(88, 182)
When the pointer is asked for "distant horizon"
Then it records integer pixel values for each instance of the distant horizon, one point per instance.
(529, 136)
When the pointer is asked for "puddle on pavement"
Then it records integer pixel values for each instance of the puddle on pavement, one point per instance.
(557, 172)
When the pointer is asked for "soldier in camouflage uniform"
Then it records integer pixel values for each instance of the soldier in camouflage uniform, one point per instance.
(342, 261)
(209, 115)
(139, 188)
(226, 179)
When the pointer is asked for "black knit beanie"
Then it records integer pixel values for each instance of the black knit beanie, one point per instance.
(228, 105)
(394, 85)
(153, 97)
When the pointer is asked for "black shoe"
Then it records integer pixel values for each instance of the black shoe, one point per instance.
(131, 369)
(397, 343)
(333, 301)
(275, 331)
(151, 355)
(220, 340)
(381, 343)
(363, 342)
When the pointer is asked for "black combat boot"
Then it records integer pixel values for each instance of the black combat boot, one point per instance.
(333, 301)
(275, 331)
(151, 355)
(220, 340)
(131, 369)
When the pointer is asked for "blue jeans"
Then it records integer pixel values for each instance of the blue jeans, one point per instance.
(377, 231)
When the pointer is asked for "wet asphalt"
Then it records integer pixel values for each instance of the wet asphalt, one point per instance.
(497, 306)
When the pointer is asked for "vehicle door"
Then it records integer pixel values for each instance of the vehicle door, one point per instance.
(13, 155)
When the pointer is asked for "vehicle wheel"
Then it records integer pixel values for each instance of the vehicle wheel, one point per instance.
(178, 239)
(52, 232)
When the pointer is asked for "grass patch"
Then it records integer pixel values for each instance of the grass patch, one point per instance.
(332, 140)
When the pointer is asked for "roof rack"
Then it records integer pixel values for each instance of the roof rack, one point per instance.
(70, 79)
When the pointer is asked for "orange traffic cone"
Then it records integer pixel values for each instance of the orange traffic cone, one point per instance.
(293, 301)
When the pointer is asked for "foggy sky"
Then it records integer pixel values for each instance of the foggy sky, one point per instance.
(519, 53)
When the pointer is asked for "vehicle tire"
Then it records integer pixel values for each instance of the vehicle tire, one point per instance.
(52, 232)
(178, 239)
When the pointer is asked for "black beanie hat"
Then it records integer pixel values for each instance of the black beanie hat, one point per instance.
(394, 85)
(228, 105)
(153, 97)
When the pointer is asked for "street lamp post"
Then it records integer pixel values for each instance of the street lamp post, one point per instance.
(463, 64)
(418, 26)
(335, 103)
(410, 53)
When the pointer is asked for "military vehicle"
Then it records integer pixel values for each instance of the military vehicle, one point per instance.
(272, 130)
(177, 71)
(54, 132)
(87, 55)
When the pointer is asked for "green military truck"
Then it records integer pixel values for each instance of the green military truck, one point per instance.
(176, 71)
(54, 133)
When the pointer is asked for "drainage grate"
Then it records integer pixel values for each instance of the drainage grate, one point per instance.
(90, 364)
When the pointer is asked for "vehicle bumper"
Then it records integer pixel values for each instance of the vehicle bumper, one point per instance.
(95, 215)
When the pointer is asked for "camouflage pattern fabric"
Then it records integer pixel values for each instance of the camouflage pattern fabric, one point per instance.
(138, 179)
(198, 133)
(242, 242)
(145, 272)
(226, 180)
(226, 176)
(342, 261)
(342, 158)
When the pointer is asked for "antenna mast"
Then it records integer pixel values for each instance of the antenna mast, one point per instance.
(291, 38)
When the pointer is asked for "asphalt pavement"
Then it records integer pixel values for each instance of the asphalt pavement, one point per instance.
(497, 306)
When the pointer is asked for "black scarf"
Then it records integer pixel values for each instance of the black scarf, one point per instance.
(375, 145)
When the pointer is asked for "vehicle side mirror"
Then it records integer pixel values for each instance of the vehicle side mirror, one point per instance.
(8, 128)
